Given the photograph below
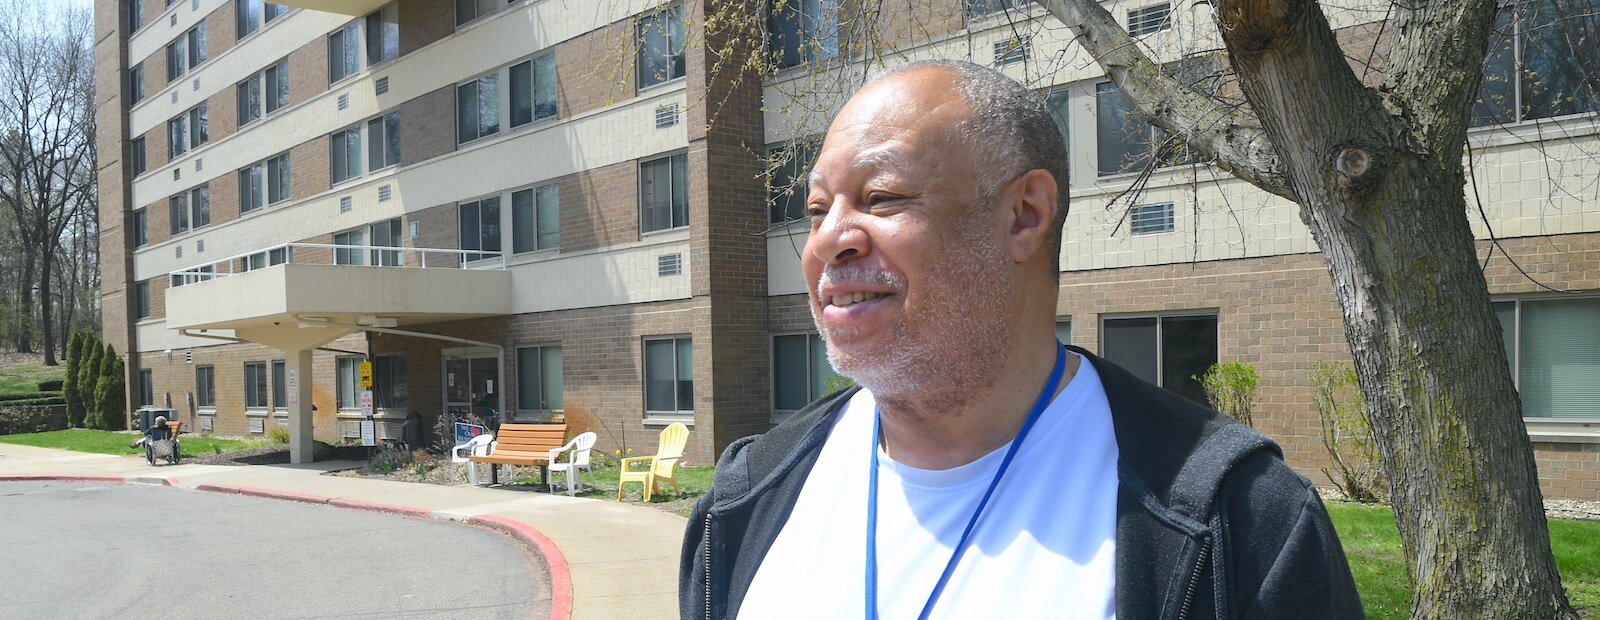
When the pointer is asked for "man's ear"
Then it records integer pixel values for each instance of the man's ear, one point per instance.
(1032, 211)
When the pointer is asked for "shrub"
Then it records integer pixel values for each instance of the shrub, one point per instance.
(8, 398)
(836, 383)
(109, 399)
(1357, 468)
(70, 388)
(51, 385)
(31, 419)
(1231, 388)
(278, 434)
(51, 401)
(388, 459)
(88, 379)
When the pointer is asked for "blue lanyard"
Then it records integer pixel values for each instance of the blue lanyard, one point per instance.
(1039, 405)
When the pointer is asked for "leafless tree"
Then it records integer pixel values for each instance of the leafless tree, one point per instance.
(46, 151)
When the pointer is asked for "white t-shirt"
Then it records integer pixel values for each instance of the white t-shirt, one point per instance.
(1044, 547)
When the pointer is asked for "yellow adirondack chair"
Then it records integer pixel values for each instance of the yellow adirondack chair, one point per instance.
(668, 452)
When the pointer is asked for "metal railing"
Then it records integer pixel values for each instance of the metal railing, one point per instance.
(338, 254)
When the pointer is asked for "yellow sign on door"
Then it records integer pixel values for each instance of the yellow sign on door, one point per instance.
(365, 372)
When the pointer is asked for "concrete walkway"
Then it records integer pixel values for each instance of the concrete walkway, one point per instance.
(620, 560)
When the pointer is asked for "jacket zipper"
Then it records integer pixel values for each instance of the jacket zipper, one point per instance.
(1194, 581)
(708, 565)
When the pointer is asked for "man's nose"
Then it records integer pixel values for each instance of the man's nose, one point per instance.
(840, 237)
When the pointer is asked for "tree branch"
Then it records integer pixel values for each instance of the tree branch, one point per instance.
(1237, 142)
(1429, 35)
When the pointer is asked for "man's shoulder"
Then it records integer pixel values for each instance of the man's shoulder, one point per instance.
(749, 460)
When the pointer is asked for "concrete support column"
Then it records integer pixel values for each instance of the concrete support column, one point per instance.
(299, 388)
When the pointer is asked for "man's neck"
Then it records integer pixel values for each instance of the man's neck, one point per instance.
(953, 427)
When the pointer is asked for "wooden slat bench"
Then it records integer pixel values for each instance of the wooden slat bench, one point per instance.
(523, 444)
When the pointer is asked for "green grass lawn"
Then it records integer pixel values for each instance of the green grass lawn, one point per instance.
(696, 481)
(25, 378)
(107, 442)
(1372, 543)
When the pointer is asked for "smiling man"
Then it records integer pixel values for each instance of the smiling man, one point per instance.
(981, 468)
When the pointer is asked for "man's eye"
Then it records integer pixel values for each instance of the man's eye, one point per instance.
(877, 198)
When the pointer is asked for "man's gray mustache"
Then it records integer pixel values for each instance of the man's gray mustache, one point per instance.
(859, 274)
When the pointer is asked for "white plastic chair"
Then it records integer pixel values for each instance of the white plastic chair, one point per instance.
(477, 446)
(580, 447)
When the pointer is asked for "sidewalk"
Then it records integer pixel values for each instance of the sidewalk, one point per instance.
(622, 560)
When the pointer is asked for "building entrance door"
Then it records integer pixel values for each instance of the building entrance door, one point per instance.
(472, 384)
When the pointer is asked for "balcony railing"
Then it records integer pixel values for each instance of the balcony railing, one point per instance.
(338, 254)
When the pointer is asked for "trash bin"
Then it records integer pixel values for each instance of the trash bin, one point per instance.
(147, 417)
(411, 430)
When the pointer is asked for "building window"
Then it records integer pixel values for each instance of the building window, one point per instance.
(803, 31)
(477, 109)
(1149, 20)
(262, 260)
(136, 155)
(664, 193)
(661, 46)
(390, 379)
(1543, 61)
(1166, 350)
(1064, 331)
(190, 210)
(136, 83)
(383, 141)
(468, 10)
(267, 89)
(141, 224)
(191, 276)
(800, 371)
(263, 183)
(205, 386)
(479, 226)
(135, 14)
(356, 255)
(1553, 346)
(187, 131)
(539, 379)
(255, 385)
(344, 152)
(668, 375)
(536, 219)
(1150, 219)
(280, 386)
(250, 15)
(344, 52)
(789, 185)
(186, 52)
(979, 8)
(1125, 142)
(533, 90)
(383, 34)
(348, 382)
(147, 382)
(141, 299)
(386, 234)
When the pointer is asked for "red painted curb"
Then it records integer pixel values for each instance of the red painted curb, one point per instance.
(110, 479)
(376, 507)
(560, 575)
(267, 493)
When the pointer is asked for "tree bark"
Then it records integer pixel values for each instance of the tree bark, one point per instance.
(46, 321)
(1378, 178)
(25, 310)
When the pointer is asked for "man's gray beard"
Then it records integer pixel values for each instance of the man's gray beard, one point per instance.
(963, 334)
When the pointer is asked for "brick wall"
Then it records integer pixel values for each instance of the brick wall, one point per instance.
(308, 71)
(308, 166)
(222, 114)
(438, 230)
(221, 30)
(904, 23)
(599, 207)
(427, 126)
(423, 22)
(596, 69)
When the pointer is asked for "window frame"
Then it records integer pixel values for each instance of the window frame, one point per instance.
(257, 182)
(812, 337)
(340, 378)
(812, 47)
(479, 253)
(271, 87)
(345, 64)
(678, 60)
(257, 392)
(135, 15)
(387, 16)
(477, 84)
(147, 384)
(139, 163)
(136, 83)
(677, 414)
(1160, 318)
(141, 295)
(493, 8)
(1539, 424)
(352, 155)
(795, 192)
(991, 8)
(193, 126)
(205, 387)
(184, 58)
(265, 13)
(544, 408)
(196, 209)
(531, 66)
(537, 232)
(141, 227)
(278, 385)
(671, 160)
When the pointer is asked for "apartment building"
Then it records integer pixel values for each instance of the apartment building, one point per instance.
(550, 209)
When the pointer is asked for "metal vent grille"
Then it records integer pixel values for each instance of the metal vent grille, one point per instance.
(1013, 50)
(1150, 219)
(205, 423)
(381, 84)
(177, 173)
(344, 101)
(199, 245)
(194, 5)
(177, 251)
(174, 96)
(345, 204)
(173, 20)
(257, 426)
(1149, 20)
(199, 164)
(669, 264)
(196, 85)
(667, 115)
(416, 229)
(384, 193)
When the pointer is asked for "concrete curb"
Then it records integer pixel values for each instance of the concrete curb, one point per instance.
(560, 575)
(110, 479)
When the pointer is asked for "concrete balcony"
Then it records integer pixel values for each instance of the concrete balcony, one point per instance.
(342, 7)
(273, 289)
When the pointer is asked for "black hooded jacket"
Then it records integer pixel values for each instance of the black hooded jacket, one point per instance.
(1210, 522)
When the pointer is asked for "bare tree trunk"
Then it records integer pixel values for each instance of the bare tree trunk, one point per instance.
(25, 307)
(46, 303)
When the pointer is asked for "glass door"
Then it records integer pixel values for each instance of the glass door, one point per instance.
(472, 385)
